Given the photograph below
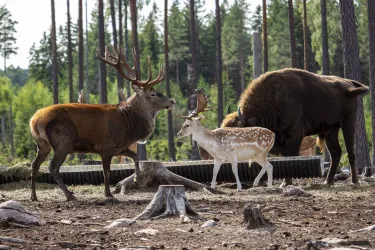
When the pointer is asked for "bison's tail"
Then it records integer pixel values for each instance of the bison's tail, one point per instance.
(320, 143)
(357, 89)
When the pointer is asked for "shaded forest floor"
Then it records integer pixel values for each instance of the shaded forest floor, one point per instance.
(329, 213)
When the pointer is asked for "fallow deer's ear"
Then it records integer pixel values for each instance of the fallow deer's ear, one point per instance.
(198, 118)
(137, 89)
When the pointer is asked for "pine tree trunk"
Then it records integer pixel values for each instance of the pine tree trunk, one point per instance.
(242, 72)
(120, 82)
(352, 71)
(54, 56)
(171, 149)
(126, 45)
(257, 58)
(80, 46)
(3, 133)
(13, 153)
(133, 12)
(87, 87)
(219, 67)
(102, 70)
(121, 39)
(177, 72)
(265, 40)
(305, 48)
(371, 32)
(323, 13)
(292, 37)
(194, 46)
(70, 60)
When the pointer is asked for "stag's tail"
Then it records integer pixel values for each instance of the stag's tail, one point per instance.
(357, 89)
(320, 143)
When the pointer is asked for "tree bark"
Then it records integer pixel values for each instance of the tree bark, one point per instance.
(352, 71)
(87, 87)
(120, 82)
(172, 200)
(133, 12)
(80, 46)
(153, 174)
(12, 149)
(253, 218)
(54, 56)
(257, 58)
(323, 13)
(265, 40)
(126, 45)
(2, 132)
(121, 39)
(305, 48)
(292, 37)
(371, 35)
(171, 149)
(194, 46)
(177, 72)
(102, 70)
(219, 67)
(70, 60)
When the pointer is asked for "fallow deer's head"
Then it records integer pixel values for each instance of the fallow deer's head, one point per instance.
(193, 120)
(144, 91)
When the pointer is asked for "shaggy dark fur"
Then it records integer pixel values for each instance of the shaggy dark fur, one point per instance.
(295, 103)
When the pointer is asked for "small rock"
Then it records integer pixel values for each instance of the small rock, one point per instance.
(343, 242)
(191, 230)
(315, 208)
(66, 222)
(294, 191)
(120, 223)
(209, 223)
(286, 234)
(147, 231)
(14, 211)
(45, 238)
(3, 247)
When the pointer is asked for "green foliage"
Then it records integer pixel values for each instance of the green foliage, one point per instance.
(31, 97)
(6, 94)
(7, 34)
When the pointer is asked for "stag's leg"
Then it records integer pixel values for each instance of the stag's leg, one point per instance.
(134, 156)
(233, 161)
(217, 164)
(334, 149)
(349, 137)
(54, 168)
(106, 172)
(43, 151)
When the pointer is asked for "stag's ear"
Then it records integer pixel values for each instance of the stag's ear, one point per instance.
(137, 89)
(252, 122)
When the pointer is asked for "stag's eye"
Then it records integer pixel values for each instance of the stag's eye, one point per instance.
(153, 94)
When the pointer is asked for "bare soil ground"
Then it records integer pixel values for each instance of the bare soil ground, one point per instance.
(329, 213)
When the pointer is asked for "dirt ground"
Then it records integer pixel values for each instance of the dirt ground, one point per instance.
(329, 213)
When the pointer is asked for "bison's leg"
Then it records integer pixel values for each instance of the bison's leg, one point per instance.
(349, 137)
(54, 168)
(106, 172)
(334, 149)
(43, 150)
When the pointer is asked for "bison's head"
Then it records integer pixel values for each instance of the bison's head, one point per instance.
(237, 119)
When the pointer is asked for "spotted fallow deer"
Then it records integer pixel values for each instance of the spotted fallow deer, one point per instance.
(230, 144)
(104, 129)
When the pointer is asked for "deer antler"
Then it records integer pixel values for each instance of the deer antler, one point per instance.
(202, 101)
(117, 60)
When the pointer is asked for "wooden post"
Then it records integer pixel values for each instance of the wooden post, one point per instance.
(257, 58)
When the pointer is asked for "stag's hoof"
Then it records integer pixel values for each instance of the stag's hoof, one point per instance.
(33, 198)
(71, 198)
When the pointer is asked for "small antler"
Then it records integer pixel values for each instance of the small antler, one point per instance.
(202, 101)
(117, 60)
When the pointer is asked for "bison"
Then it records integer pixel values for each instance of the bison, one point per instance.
(295, 103)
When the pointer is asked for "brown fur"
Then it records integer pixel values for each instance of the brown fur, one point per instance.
(295, 103)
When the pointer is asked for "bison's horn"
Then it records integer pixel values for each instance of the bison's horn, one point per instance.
(241, 117)
(228, 109)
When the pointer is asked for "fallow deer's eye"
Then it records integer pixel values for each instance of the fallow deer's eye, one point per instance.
(186, 126)
(153, 94)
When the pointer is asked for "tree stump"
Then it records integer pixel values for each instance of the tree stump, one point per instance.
(168, 201)
(253, 218)
(153, 174)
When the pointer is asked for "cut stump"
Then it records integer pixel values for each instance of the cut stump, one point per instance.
(153, 174)
(168, 201)
(253, 218)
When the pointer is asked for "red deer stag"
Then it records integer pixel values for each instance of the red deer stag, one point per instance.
(104, 129)
(230, 144)
(295, 103)
(133, 147)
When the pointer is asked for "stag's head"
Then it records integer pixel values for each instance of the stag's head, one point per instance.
(193, 120)
(145, 94)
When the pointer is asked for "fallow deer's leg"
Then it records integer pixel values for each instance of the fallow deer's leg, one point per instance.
(334, 149)
(54, 168)
(266, 167)
(43, 150)
(106, 172)
(217, 164)
(233, 160)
